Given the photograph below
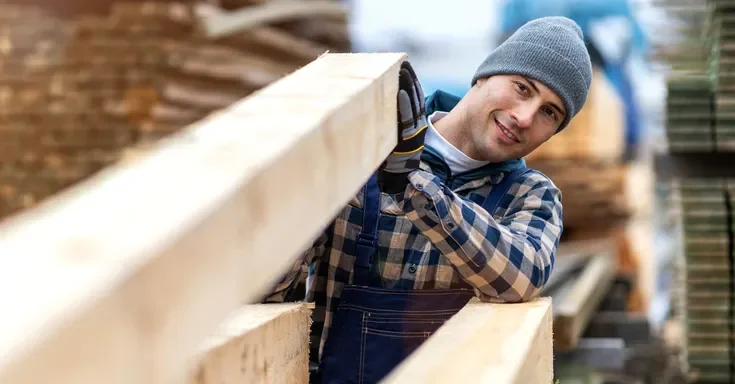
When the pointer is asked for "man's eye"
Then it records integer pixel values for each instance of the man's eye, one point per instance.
(549, 111)
(522, 87)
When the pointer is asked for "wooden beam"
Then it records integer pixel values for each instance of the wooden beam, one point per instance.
(260, 343)
(577, 300)
(570, 259)
(119, 279)
(485, 343)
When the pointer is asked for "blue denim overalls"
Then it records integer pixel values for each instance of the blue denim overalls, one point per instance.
(375, 328)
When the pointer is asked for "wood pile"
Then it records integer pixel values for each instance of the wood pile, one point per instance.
(596, 133)
(598, 196)
(704, 292)
(584, 161)
(603, 196)
(700, 120)
(78, 91)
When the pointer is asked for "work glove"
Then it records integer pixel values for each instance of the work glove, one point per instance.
(412, 124)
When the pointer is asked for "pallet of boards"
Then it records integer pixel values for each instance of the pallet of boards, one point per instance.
(700, 114)
(597, 133)
(706, 276)
(599, 196)
(610, 201)
(80, 91)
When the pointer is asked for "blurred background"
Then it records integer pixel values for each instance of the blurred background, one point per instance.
(644, 282)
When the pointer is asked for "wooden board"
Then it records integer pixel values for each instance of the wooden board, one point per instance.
(118, 279)
(217, 26)
(571, 258)
(485, 343)
(260, 343)
(579, 299)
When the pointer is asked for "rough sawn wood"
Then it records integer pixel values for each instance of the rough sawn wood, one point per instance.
(259, 344)
(120, 278)
(485, 343)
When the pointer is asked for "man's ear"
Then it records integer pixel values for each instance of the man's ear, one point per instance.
(480, 83)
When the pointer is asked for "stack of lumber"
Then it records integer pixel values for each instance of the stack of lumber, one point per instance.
(701, 88)
(77, 91)
(701, 120)
(722, 33)
(596, 133)
(595, 332)
(690, 120)
(597, 196)
(705, 294)
(584, 161)
(681, 50)
(603, 195)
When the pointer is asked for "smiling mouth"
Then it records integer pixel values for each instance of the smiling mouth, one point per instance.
(507, 132)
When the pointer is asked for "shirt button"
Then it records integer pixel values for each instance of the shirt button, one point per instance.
(419, 186)
(450, 225)
(427, 206)
(412, 268)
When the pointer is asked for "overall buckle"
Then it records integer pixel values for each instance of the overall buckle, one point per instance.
(366, 246)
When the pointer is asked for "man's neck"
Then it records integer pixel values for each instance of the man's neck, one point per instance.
(453, 128)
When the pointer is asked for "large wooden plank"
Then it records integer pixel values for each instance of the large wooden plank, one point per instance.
(485, 343)
(260, 343)
(119, 279)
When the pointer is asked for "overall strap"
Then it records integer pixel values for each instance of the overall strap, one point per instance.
(367, 240)
(497, 193)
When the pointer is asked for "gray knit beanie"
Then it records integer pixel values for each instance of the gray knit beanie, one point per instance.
(550, 50)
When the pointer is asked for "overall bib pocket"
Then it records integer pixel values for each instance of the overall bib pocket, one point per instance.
(389, 338)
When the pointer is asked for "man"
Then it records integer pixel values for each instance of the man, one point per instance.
(453, 213)
(615, 40)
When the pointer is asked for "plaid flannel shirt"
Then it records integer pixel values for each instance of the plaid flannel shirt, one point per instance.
(436, 235)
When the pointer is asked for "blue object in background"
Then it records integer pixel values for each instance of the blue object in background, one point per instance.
(584, 12)
(431, 85)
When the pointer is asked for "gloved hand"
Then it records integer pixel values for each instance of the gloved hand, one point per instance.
(412, 123)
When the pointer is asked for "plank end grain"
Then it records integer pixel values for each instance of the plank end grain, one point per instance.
(259, 344)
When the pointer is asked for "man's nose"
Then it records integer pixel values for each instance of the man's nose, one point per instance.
(524, 114)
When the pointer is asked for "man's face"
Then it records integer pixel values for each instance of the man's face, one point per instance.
(510, 115)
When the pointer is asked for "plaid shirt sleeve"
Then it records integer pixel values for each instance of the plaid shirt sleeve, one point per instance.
(288, 282)
(505, 261)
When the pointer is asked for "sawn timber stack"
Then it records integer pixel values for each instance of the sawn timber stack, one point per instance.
(700, 124)
(79, 91)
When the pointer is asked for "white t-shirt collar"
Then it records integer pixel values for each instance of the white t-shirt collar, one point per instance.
(456, 159)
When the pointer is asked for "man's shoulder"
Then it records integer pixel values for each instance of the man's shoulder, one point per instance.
(535, 179)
